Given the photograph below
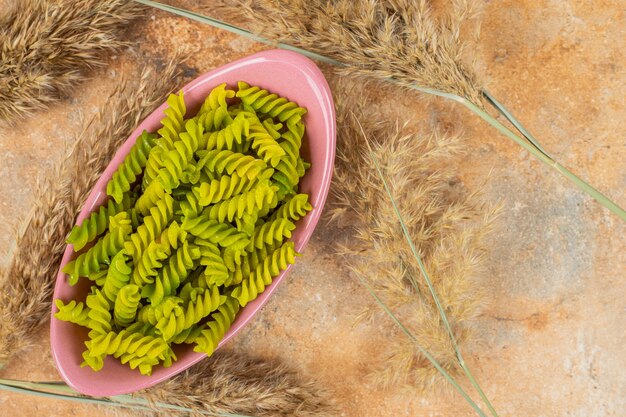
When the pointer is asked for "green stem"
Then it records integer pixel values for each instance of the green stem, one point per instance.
(600, 198)
(61, 391)
(530, 145)
(85, 400)
(236, 30)
(509, 116)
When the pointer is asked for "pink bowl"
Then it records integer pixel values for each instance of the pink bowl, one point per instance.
(285, 73)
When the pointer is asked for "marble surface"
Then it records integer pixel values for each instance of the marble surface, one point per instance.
(551, 339)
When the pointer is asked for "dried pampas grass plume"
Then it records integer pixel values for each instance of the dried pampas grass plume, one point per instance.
(28, 279)
(400, 39)
(47, 45)
(447, 225)
(229, 382)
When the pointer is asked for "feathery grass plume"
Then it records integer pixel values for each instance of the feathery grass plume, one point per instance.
(230, 382)
(446, 223)
(28, 278)
(399, 39)
(46, 46)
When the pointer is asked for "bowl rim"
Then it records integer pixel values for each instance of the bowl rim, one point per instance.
(97, 197)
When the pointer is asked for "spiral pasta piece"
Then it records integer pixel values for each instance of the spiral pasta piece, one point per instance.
(220, 161)
(117, 344)
(176, 160)
(150, 261)
(291, 143)
(226, 187)
(138, 350)
(153, 193)
(236, 132)
(74, 312)
(150, 315)
(264, 144)
(99, 313)
(293, 208)
(265, 103)
(191, 174)
(217, 98)
(126, 305)
(94, 362)
(247, 222)
(117, 276)
(258, 255)
(179, 265)
(188, 336)
(245, 262)
(158, 250)
(97, 223)
(215, 270)
(188, 204)
(271, 232)
(134, 163)
(273, 128)
(144, 364)
(246, 203)
(101, 253)
(216, 328)
(286, 177)
(173, 123)
(182, 318)
(221, 234)
(261, 277)
(153, 166)
(189, 292)
(153, 225)
(231, 258)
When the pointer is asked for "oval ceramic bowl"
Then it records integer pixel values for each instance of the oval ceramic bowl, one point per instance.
(285, 73)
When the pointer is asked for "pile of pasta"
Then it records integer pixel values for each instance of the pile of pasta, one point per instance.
(196, 226)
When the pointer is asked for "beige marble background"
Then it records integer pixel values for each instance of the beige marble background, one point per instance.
(551, 339)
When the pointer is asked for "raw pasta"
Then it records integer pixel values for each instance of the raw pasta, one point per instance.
(195, 228)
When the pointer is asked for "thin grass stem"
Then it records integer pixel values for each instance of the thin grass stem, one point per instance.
(59, 390)
(509, 116)
(237, 30)
(57, 396)
(530, 144)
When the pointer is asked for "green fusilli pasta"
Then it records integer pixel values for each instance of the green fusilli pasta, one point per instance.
(183, 317)
(245, 203)
(262, 276)
(226, 161)
(168, 279)
(196, 227)
(126, 305)
(97, 222)
(117, 276)
(73, 312)
(270, 104)
(215, 329)
(133, 165)
(293, 208)
(99, 313)
(160, 216)
(215, 232)
(102, 251)
(270, 232)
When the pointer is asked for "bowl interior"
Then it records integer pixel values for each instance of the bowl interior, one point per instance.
(285, 73)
